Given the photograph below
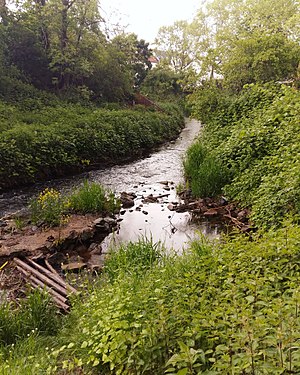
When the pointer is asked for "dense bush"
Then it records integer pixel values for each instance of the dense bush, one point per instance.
(255, 137)
(217, 309)
(223, 308)
(51, 141)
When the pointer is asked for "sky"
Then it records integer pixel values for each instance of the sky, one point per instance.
(144, 18)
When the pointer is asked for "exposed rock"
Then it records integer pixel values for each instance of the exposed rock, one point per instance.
(73, 266)
(211, 212)
(150, 199)
(127, 199)
(171, 207)
(76, 236)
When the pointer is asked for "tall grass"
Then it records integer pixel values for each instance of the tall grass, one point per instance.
(35, 315)
(203, 170)
(133, 258)
(51, 208)
(93, 197)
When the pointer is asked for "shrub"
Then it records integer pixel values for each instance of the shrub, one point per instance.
(221, 308)
(255, 144)
(51, 141)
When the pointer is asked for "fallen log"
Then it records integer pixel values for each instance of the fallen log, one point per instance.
(59, 300)
(46, 280)
(54, 276)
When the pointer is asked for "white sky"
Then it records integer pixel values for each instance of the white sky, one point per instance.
(144, 18)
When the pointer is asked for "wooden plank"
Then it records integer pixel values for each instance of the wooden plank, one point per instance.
(57, 298)
(45, 279)
(53, 276)
(40, 283)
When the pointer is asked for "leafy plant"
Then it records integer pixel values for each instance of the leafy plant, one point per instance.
(49, 208)
(253, 143)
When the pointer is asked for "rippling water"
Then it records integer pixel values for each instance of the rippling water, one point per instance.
(143, 177)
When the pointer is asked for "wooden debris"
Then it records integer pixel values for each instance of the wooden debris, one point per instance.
(48, 279)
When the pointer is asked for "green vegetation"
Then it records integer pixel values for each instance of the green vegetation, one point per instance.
(92, 197)
(254, 137)
(51, 208)
(229, 307)
(36, 315)
(217, 309)
(204, 171)
(133, 258)
(51, 141)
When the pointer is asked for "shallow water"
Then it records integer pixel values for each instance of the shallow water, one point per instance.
(143, 177)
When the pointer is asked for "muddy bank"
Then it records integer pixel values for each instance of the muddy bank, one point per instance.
(80, 238)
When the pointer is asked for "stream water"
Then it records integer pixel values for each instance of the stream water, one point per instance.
(157, 174)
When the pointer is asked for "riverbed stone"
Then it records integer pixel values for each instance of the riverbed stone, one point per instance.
(127, 199)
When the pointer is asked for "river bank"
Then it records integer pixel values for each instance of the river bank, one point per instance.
(54, 141)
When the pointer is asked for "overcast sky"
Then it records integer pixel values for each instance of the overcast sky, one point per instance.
(144, 18)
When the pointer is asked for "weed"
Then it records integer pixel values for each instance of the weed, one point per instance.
(92, 197)
(204, 171)
(35, 314)
(49, 208)
(133, 258)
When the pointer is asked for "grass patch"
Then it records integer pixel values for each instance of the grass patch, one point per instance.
(206, 175)
(34, 315)
(134, 258)
(51, 208)
(93, 197)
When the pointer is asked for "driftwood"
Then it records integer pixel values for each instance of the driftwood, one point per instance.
(48, 279)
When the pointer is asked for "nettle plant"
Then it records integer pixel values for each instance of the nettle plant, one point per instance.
(226, 308)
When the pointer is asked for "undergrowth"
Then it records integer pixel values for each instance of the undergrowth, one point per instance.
(51, 208)
(253, 140)
(222, 308)
(54, 140)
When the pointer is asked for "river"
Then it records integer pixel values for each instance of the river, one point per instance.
(157, 174)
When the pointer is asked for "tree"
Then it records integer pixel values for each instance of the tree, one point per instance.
(134, 56)
(175, 47)
(260, 57)
(75, 35)
(162, 82)
(254, 40)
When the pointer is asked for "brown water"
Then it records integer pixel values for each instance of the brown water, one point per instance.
(143, 177)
